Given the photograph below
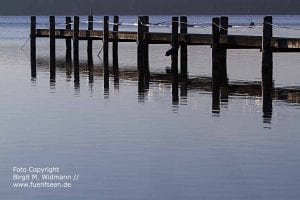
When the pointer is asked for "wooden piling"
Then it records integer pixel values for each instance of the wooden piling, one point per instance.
(267, 54)
(115, 47)
(140, 55)
(68, 41)
(90, 41)
(267, 65)
(146, 48)
(115, 52)
(174, 56)
(52, 48)
(105, 50)
(183, 49)
(33, 46)
(140, 47)
(215, 50)
(216, 65)
(76, 49)
(223, 52)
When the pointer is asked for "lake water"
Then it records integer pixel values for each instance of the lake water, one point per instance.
(129, 145)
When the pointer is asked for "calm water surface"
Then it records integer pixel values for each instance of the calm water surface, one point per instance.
(126, 145)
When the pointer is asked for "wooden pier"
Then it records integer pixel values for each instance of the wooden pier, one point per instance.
(178, 38)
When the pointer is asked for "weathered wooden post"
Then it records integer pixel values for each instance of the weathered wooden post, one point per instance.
(33, 46)
(267, 65)
(115, 47)
(68, 41)
(215, 50)
(90, 41)
(215, 65)
(140, 47)
(76, 49)
(174, 57)
(105, 50)
(267, 55)
(223, 52)
(183, 49)
(146, 49)
(223, 78)
(115, 52)
(52, 48)
(141, 54)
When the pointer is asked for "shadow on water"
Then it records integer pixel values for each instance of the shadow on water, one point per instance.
(220, 93)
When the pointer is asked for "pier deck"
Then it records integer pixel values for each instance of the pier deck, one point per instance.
(279, 44)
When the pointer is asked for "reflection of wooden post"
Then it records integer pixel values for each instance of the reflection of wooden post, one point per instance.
(183, 49)
(216, 101)
(105, 51)
(267, 66)
(115, 44)
(223, 51)
(91, 74)
(90, 41)
(68, 41)
(33, 46)
(267, 107)
(174, 56)
(76, 49)
(68, 50)
(52, 48)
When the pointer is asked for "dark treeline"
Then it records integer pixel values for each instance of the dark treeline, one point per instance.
(150, 7)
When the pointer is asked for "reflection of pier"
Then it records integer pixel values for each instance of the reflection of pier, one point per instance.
(204, 84)
(179, 38)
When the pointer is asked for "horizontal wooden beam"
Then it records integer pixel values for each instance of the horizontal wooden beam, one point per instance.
(279, 44)
(87, 34)
(286, 43)
(189, 39)
(239, 41)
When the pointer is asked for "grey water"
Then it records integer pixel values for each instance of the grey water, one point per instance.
(128, 145)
